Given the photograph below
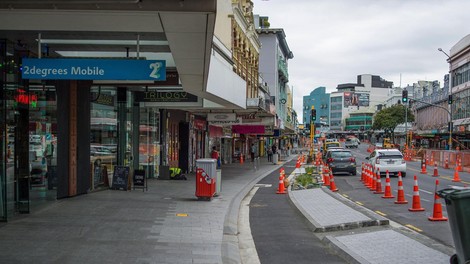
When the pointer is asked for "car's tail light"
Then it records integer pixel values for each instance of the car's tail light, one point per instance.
(329, 160)
(352, 159)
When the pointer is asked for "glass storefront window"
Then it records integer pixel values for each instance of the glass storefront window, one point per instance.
(103, 134)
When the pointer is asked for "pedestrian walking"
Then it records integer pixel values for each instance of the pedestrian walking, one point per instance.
(270, 154)
(252, 152)
(215, 155)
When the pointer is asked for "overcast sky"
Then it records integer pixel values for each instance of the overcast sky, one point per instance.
(333, 41)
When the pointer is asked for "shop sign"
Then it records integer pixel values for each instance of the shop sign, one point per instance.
(227, 131)
(165, 97)
(93, 69)
(199, 124)
(268, 130)
(221, 117)
(238, 121)
(103, 99)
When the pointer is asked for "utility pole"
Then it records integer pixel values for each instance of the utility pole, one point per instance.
(313, 118)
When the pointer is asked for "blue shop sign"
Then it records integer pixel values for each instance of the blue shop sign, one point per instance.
(93, 69)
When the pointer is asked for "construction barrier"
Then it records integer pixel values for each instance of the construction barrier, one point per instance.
(450, 158)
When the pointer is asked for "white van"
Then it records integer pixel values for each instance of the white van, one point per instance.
(352, 143)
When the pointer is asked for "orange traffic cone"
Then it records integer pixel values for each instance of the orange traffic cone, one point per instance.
(388, 188)
(436, 173)
(416, 200)
(423, 169)
(446, 165)
(378, 186)
(326, 177)
(332, 182)
(363, 173)
(401, 193)
(368, 182)
(459, 164)
(437, 210)
(373, 184)
(281, 188)
(456, 176)
(241, 159)
(297, 164)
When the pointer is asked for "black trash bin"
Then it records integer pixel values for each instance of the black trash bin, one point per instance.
(458, 209)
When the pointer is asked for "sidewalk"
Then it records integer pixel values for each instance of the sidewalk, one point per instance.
(167, 224)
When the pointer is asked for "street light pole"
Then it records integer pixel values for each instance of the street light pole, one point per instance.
(451, 125)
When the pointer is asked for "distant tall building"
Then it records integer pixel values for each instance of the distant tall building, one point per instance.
(321, 101)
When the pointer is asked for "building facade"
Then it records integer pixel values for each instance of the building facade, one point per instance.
(70, 117)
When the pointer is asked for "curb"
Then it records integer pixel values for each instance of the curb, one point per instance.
(376, 220)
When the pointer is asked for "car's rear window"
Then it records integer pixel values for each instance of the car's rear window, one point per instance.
(332, 144)
(390, 155)
(341, 154)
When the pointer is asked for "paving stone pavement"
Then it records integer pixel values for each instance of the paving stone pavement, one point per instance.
(168, 224)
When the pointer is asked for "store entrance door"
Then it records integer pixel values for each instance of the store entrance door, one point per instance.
(149, 141)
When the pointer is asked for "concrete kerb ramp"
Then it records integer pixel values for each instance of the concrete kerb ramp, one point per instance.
(328, 211)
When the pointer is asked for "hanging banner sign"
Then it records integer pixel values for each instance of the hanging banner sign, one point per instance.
(93, 69)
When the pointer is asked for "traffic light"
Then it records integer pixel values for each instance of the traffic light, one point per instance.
(450, 99)
(404, 96)
(313, 115)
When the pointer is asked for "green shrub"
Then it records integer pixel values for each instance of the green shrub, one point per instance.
(304, 180)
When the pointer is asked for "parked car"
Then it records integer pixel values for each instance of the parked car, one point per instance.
(351, 143)
(388, 159)
(341, 160)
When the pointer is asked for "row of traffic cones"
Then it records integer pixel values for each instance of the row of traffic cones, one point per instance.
(371, 180)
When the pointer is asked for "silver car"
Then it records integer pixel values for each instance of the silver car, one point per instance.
(388, 159)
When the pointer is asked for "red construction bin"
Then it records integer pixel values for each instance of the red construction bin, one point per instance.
(206, 174)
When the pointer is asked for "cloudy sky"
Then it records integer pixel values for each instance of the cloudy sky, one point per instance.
(333, 41)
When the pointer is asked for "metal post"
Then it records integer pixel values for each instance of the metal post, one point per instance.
(406, 124)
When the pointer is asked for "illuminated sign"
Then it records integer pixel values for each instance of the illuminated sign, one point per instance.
(24, 98)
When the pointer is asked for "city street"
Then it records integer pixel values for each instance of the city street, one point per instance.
(352, 188)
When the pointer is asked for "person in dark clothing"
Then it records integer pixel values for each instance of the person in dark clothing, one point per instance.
(270, 154)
